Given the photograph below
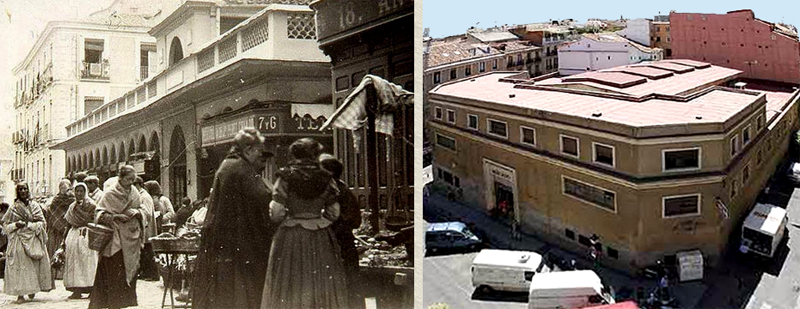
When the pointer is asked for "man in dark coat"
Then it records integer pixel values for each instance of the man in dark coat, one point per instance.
(232, 262)
(343, 228)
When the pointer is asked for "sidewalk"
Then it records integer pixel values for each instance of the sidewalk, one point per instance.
(498, 234)
(148, 295)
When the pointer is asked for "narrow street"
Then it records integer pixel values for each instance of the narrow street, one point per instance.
(148, 294)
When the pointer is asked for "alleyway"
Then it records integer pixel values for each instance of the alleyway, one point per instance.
(148, 293)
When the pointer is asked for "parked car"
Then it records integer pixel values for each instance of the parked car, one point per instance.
(450, 235)
(793, 173)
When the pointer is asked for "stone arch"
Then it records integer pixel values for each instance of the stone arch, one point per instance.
(155, 144)
(96, 157)
(177, 167)
(113, 153)
(175, 51)
(105, 155)
(142, 144)
(122, 154)
(131, 147)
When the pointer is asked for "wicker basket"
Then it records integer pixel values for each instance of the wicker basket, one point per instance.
(99, 236)
(175, 245)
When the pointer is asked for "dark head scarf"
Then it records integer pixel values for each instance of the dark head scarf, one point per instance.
(58, 207)
(152, 187)
(304, 175)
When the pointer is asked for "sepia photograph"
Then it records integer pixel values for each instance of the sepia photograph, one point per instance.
(611, 154)
(207, 154)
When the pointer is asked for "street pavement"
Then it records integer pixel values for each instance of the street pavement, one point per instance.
(148, 295)
(447, 278)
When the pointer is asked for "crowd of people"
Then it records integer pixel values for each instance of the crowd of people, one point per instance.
(287, 244)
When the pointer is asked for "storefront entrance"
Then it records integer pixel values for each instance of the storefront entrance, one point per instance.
(501, 190)
(177, 167)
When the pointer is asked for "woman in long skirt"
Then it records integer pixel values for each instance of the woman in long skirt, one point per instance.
(80, 262)
(27, 263)
(57, 225)
(120, 209)
(305, 268)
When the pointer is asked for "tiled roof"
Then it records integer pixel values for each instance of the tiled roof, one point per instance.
(716, 106)
(441, 52)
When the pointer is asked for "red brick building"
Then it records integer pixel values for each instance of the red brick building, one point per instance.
(760, 49)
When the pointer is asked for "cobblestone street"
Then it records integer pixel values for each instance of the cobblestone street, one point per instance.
(148, 295)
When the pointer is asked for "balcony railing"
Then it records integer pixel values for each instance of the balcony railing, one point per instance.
(95, 70)
(248, 40)
(144, 72)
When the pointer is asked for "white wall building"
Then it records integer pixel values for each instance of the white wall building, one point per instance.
(638, 30)
(601, 51)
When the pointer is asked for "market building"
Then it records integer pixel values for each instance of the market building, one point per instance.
(376, 38)
(654, 158)
(71, 70)
(221, 66)
(737, 39)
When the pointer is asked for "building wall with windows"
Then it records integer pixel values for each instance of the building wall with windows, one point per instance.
(738, 40)
(601, 51)
(71, 69)
(647, 197)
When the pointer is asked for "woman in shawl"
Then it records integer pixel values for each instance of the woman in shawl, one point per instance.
(234, 246)
(57, 225)
(27, 262)
(119, 209)
(305, 267)
(80, 263)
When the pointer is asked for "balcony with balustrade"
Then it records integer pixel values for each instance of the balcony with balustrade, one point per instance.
(95, 71)
(277, 40)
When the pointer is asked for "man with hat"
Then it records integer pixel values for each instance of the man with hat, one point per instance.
(93, 184)
(232, 263)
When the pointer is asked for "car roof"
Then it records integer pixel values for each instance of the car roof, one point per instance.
(508, 259)
(446, 226)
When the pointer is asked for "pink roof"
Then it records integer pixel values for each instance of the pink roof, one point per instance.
(667, 66)
(623, 305)
(648, 72)
(715, 106)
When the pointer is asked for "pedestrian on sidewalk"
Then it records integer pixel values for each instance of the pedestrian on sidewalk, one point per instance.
(57, 225)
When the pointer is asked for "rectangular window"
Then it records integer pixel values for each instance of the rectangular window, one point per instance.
(570, 145)
(603, 154)
(759, 123)
(437, 77)
(472, 122)
(734, 185)
(451, 116)
(93, 51)
(745, 174)
(438, 113)
(658, 39)
(91, 103)
(597, 196)
(759, 157)
(453, 74)
(746, 135)
(583, 240)
(342, 83)
(734, 145)
(680, 159)
(446, 142)
(680, 205)
(468, 70)
(527, 135)
(497, 128)
(482, 66)
(612, 253)
(494, 64)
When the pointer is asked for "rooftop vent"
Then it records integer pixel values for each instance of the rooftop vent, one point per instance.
(597, 114)
(472, 80)
(511, 95)
(698, 117)
(524, 258)
(739, 85)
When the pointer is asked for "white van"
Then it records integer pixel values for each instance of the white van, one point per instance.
(567, 289)
(763, 229)
(506, 270)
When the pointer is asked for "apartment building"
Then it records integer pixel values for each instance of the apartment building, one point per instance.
(660, 36)
(638, 30)
(737, 39)
(548, 36)
(595, 51)
(654, 158)
(73, 68)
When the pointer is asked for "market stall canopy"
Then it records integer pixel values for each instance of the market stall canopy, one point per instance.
(352, 114)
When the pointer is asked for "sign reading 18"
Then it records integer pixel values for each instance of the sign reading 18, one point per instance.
(267, 123)
(347, 16)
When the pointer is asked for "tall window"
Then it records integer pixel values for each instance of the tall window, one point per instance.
(93, 51)
(146, 52)
(681, 159)
(437, 77)
(482, 67)
(438, 113)
(734, 145)
(527, 135)
(175, 51)
(451, 116)
(468, 70)
(746, 135)
(494, 64)
(472, 122)
(453, 74)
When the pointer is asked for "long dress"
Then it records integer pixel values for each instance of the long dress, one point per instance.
(115, 280)
(305, 266)
(234, 246)
(57, 225)
(26, 274)
(80, 262)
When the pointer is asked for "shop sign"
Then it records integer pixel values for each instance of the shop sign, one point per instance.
(334, 16)
(139, 167)
(308, 124)
(224, 131)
